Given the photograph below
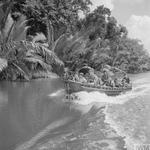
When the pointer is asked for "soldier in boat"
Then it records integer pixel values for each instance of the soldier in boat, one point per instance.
(90, 81)
(92, 75)
(76, 77)
(117, 83)
(125, 81)
(94, 78)
(66, 74)
(105, 77)
(82, 79)
(107, 80)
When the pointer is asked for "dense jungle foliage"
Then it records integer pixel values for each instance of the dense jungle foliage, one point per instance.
(38, 37)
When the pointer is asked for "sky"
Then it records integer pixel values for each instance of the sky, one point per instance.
(134, 14)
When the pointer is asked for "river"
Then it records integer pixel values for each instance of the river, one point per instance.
(34, 116)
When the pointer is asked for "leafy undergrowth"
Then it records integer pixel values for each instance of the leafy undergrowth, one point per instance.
(26, 60)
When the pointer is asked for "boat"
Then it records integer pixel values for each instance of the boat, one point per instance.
(73, 87)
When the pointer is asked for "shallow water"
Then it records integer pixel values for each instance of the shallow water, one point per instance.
(33, 116)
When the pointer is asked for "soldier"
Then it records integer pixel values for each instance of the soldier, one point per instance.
(76, 77)
(66, 74)
(94, 77)
(105, 77)
(82, 79)
(126, 79)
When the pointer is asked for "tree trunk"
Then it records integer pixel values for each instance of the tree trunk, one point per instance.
(50, 34)
(114, 61)
(5, 14)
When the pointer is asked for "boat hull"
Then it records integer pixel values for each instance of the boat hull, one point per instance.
(73, 87)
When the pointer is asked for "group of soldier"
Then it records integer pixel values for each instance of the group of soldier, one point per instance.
(91, 78)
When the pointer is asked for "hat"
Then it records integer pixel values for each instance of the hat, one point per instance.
(105, 70)
(81, 73)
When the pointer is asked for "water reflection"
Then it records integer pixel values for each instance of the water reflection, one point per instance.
(28, 109)
(3, 94)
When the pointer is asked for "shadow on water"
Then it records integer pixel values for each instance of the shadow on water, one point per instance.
(26, 108)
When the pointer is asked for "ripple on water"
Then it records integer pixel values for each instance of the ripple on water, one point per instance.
(126, 115)
(88, 133)
(131, 120)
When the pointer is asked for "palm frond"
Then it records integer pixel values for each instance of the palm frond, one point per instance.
(41, 74)
(3, 64)
(19, 30)
(8, 35)
(22, 70)
(23, 56)
(38, 61)
(5, 13)
(6, 30)
(59, 43)
(47, 56)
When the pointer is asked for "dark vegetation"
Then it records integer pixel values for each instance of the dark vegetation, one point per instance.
(38, 37)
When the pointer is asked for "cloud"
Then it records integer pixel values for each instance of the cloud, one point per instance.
(139, 27)
(106, 3)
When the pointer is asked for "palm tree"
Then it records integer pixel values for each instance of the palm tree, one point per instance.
(24, 59)
(20, 58)
(3, 64)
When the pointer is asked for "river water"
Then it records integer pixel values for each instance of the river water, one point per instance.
(34, 116)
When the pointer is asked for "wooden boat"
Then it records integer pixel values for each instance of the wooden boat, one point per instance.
(72, 87)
